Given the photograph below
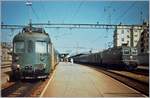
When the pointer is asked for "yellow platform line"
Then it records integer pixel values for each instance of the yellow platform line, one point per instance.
(48, 84)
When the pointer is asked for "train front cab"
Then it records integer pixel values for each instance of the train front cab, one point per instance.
(31, 57)
(129, 57)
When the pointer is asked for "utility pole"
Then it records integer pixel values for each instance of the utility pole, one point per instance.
(110, 44)
(141, 16)
(105, 45)
(131, 39)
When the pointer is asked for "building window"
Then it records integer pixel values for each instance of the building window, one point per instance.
(122, 31)
(122, 39)
(142, 50)
(135, 35)
(142, 45)
(128, 36)
(147, 47)
(135, 41)
(135, 30)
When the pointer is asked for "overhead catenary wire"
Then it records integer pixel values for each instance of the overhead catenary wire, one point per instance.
(35, 13)
(29, 4)
(109, 10)
(125, 12)
(77, 10)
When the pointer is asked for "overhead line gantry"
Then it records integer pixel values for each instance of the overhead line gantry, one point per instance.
(74, 26)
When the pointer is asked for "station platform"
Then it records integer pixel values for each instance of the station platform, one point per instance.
(143, 67)
(75, 80)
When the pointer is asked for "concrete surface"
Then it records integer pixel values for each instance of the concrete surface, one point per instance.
(74, 80)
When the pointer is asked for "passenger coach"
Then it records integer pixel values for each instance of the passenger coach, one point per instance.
(117, 58)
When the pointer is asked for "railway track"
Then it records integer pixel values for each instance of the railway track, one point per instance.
(131, 82)
(22, 88)
(141, 72)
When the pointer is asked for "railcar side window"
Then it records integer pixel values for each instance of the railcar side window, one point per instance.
(19, 47)
(49, 48)
(40, 47)
(126, 51)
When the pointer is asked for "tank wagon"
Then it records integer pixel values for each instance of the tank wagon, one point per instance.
(117, 58)
(34, 55)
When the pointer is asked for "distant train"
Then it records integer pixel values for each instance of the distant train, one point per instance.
(117, 58)
(33, 54)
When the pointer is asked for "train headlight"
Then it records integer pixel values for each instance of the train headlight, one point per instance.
(16, 58)
(131, 57)
(18, 66)
(15, 66)
(44, 65)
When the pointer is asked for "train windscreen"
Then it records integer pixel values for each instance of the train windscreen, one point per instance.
(40, 47)
(126, 51)
(49, 48)
(134, 51)
(19, 47)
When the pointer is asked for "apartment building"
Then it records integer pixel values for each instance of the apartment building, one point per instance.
(143, 46)
(127, 35)
(5, 56)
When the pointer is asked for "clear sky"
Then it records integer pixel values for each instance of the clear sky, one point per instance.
(67, 40)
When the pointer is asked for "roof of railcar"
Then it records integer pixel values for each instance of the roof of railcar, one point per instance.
(34, 32)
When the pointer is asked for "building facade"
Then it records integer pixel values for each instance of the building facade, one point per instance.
(126, 35)
(143, 46)
(5, 56)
